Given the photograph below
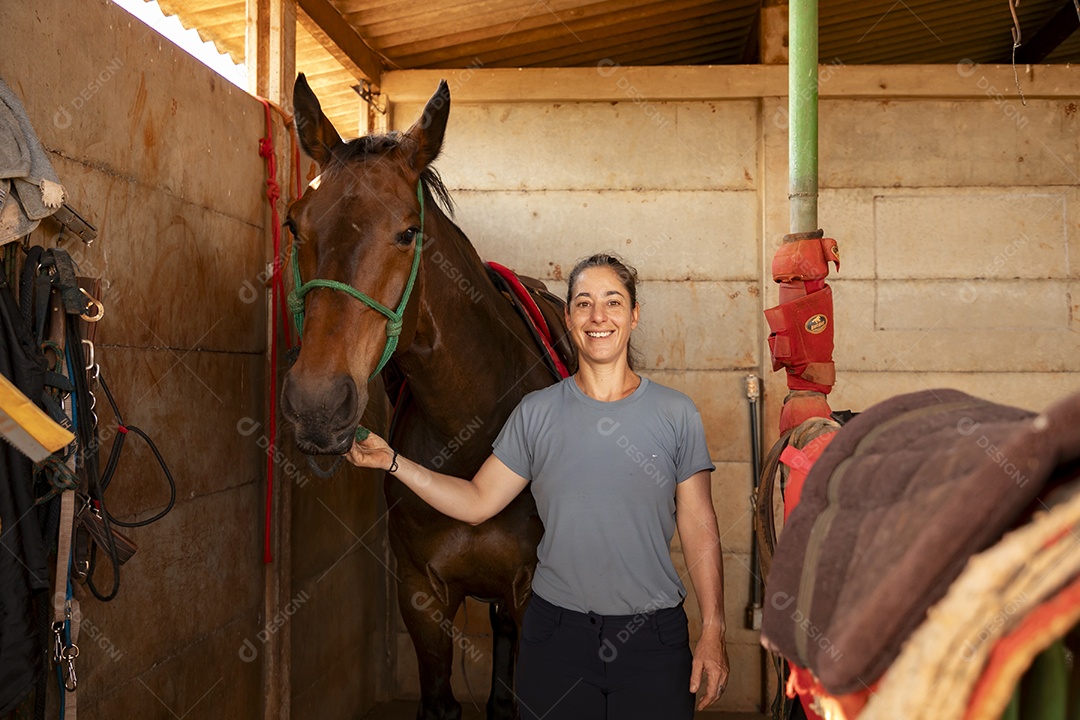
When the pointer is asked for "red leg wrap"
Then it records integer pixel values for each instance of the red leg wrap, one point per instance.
(802, 341)
(805, 259)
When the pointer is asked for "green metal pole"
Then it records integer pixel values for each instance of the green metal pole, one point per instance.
(803, 114)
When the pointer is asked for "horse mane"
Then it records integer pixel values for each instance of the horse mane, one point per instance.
(367, 146)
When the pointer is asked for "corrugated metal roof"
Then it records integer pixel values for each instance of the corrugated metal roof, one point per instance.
(552, 33)
(567, 33)
(222, 22)
(927, 31)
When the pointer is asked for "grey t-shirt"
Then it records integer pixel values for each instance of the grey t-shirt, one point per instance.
(604, 476)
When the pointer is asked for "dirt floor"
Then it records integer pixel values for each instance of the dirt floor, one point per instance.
(406, 710)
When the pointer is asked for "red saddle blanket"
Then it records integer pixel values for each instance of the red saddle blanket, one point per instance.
(557, 352)
(890, 513)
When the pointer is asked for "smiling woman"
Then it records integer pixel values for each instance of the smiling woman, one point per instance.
(626, 276)
(605, 634)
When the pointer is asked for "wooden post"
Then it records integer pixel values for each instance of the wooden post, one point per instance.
(257, 46)
(270, 50)
(282, 63)
(773, 28)
(270, 56)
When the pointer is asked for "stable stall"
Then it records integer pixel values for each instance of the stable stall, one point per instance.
(657, 130)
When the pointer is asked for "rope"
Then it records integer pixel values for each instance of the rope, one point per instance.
(1016, 45)
(114, 460)
(394, 318)
(277, 301)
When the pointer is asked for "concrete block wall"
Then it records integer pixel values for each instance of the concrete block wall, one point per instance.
(951, 204)
(672, 187)
(964, 269)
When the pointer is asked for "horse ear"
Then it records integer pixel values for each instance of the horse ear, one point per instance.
(427, 133)
(317, 134)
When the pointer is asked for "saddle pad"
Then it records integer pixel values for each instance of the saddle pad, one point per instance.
(889, 515)
(526, 304)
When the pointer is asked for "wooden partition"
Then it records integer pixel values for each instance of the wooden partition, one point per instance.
(161, 155)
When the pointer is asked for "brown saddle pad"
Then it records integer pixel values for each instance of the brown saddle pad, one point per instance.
(889, 515)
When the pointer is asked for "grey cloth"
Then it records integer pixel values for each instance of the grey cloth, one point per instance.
(604, 476)
(29, 187)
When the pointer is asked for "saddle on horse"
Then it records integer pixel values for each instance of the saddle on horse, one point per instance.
(890, 514)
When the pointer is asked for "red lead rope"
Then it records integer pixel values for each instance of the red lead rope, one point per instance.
(278, 307)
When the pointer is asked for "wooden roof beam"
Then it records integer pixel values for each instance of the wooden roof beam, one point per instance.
(340, 39)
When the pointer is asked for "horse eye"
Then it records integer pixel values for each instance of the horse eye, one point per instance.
(409, 236)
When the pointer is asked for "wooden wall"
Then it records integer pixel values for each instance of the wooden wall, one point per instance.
(161, 155)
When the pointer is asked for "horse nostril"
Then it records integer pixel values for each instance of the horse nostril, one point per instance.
(348, 412)
(287, 408)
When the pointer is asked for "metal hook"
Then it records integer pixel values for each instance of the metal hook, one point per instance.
(95, 305)
(71, 681)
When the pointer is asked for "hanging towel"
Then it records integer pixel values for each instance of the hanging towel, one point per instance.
(29, 187)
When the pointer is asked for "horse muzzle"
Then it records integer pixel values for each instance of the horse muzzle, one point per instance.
(324, 413)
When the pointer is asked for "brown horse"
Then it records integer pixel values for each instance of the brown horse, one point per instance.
(467, 358)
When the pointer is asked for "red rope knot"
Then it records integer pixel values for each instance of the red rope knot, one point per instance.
(273, 190)
(266, 147)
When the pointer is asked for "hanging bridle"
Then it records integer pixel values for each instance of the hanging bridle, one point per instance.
(393, 317)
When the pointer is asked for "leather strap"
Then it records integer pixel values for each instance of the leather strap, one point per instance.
(66, 613)
(63, 553)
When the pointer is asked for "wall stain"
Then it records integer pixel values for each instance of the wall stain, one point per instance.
(140, 101)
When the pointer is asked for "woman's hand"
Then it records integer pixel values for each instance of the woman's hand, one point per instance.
(710, 660)
(373, 452)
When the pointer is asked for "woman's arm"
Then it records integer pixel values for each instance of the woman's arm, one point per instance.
(696, 520)
(492, 489)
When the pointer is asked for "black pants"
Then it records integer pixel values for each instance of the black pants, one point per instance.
(584, 666)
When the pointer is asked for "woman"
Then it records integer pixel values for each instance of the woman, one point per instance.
(616, 463)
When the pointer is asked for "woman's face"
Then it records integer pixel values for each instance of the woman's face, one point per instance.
(600, 316)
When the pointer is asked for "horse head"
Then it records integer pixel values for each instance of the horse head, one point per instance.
(357, 237)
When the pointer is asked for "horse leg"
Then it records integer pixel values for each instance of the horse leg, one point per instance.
(428, 618)
(506, 620)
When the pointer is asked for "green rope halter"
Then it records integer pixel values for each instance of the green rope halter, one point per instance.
(393, 317)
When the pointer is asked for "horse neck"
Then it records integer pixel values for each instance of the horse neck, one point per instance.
(471, 356)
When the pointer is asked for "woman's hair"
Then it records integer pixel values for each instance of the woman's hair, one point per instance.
(627, 276)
